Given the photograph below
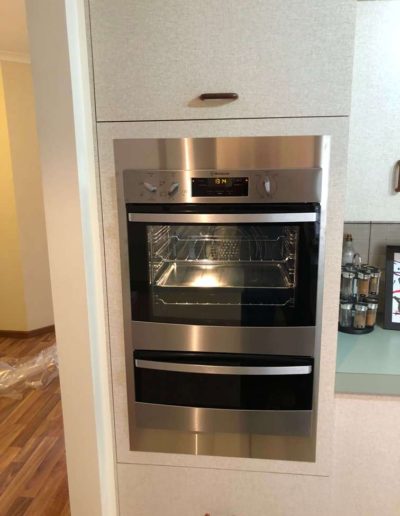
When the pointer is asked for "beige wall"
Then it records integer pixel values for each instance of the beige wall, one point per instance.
(25, 296)
(12, 302)
(24, 147)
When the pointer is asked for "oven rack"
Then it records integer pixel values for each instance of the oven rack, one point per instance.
(228, 275)
(217, 303)
(161, 234)
(223, 250)
(225, 232)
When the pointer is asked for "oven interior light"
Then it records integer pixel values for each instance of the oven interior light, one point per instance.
(206, 278)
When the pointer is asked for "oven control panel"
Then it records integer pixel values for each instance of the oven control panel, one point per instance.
(222, 186)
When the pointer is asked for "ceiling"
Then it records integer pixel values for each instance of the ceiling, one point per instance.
(13, 31)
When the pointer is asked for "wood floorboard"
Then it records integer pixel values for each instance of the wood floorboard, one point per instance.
(16, 410)
(65, 511)
(37, 420)
(46, 501)
(7, 458)
(19, 507)
(33, 473)
(45, 469)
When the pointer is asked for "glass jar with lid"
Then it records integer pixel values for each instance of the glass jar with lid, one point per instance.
(360, 315)
(363, 279)
(346, 314)
(347, 283)
(372, 310)
(374, 281)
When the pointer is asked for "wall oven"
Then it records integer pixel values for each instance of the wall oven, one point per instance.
(224, 261)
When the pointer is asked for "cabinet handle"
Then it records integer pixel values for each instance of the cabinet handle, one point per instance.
(397, 171)
(219, 96)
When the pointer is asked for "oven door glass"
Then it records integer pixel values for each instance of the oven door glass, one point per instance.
(236, 274)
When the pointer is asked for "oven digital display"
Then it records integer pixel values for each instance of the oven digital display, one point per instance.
(220, 186)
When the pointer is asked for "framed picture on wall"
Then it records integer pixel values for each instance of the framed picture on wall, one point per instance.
(392, 291)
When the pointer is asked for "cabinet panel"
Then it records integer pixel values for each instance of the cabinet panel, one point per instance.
(119, 293)
(283, 58)
(374, 146)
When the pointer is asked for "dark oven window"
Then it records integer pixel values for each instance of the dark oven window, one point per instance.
(226, 274)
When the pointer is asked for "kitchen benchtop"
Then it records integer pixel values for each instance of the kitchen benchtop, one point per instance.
(369, 364)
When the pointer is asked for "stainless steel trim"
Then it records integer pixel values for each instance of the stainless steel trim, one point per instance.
(222, 218)
(291, 165)
(225, 370)
(218, 153)
(195, 419)
(295, 340)
(298, 170)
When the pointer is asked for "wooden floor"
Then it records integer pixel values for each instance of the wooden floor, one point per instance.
(33, 476)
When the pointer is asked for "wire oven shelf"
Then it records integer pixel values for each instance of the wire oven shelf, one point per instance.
(223, 296)
(223, 257)
(224, 244)
(237, 276)
(159, 299)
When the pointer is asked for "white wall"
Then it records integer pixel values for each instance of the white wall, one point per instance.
(374, 145)
(75, 342)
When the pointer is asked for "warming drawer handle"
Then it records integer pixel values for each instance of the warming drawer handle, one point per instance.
(219, 96)
(231, 370)
(223, 218)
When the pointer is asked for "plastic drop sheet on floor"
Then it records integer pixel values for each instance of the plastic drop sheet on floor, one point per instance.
(19, 375)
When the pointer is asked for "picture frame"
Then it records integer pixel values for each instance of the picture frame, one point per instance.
(392, 288)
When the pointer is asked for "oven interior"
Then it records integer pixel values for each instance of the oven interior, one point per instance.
(188, 262)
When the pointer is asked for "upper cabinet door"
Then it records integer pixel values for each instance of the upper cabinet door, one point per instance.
(283, 58)
(374, 141)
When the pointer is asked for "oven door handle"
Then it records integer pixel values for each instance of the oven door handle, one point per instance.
(222, 218)
(231, 370)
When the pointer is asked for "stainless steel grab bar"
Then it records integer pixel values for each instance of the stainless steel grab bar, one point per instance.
(222, 218)
(232, 370)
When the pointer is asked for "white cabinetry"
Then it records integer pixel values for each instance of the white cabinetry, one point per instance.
(374, 145)
(284, 58)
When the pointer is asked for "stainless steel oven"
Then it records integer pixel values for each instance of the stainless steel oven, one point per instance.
(224, 261)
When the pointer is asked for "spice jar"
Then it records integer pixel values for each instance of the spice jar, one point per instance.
(346, 285)
(354, 270)
(346, 314)
(360, 315)
(348, 250)
(363, 278)
(372, 310)
(374, 281)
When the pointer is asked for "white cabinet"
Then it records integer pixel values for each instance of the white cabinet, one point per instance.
(284, 58)
(374, 144)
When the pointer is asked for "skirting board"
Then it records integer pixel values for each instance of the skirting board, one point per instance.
(26, 334)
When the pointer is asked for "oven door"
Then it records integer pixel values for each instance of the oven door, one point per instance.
(223, 392)
(252, 266)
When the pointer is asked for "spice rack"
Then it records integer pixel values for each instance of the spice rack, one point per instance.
(359, 289)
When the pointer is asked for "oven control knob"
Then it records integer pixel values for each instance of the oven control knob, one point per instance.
(173, 188)
(267, 185)
(150, 187)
